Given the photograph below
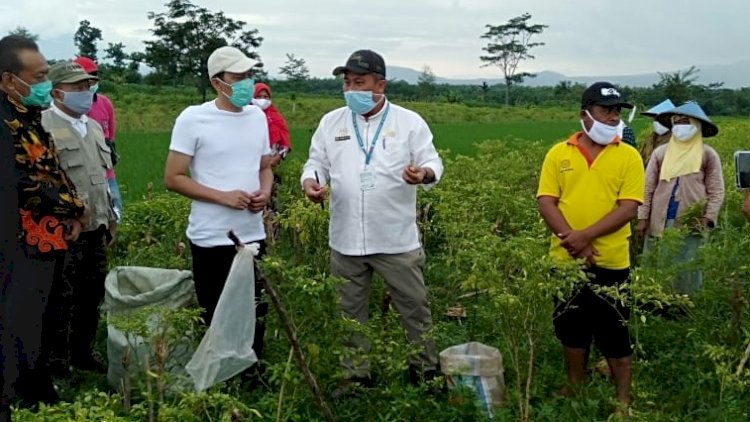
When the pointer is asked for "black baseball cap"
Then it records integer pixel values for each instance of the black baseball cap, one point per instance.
(362, 62)
(603, 94)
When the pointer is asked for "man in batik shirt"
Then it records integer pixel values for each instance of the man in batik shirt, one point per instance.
(40, 213)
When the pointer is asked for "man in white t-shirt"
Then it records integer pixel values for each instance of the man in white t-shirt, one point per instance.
(219, 157)
(374, 154)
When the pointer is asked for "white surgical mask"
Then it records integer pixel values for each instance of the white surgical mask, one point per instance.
(659, 128)
(684, 133)
(600, 133)
(263, 103)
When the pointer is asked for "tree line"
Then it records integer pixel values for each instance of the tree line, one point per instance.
(185, 34)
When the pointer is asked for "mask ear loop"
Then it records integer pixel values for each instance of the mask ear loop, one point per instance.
(225, 83)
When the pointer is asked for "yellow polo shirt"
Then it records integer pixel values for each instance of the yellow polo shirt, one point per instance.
(589, 190)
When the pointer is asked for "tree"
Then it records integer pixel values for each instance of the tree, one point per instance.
(484, 89)
(116, 53)
(295, 69)
(85, 39)
(296, 72)
(23, 32)
(678, 86)
(426, 83)
(186, 34)
(509, 44)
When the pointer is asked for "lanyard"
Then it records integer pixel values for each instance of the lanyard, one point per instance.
(368, 153)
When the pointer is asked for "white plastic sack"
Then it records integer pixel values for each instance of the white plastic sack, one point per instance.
(479, 367)
(128, 289)
(227, 348)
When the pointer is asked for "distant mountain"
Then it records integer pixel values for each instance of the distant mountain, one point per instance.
(736, 75)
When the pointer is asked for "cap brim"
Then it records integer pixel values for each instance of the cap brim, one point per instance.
(614, 103)
(78, 78)
(343, 69)
(241, 66)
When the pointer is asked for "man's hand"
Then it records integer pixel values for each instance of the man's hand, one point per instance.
(275, 160)
(314, 191)
(414, 175)
(236, 199)
(73, 229)
(258, 201)
(589, 253)
(575, 241)
(642, 228)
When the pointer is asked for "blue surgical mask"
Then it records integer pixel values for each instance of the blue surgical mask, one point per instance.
(360, 102)
(39, 94)
(94, 88)
(242, 92)
(78, 102)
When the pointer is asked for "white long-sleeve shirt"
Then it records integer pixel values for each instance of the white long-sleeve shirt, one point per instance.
(381, 219)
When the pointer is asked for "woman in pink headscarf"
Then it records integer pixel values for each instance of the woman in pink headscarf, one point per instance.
(277, 129)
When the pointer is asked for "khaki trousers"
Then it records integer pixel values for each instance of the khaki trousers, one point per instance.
(404, 279)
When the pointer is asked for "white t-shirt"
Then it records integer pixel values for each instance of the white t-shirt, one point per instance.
(227, 148)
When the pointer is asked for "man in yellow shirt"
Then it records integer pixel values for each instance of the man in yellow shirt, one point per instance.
(589, 189)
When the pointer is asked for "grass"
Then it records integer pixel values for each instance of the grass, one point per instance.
(141, 168)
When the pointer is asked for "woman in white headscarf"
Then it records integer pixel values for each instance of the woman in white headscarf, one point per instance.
(680, 174)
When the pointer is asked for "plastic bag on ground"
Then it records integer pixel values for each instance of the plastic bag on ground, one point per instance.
(128, 289)
(227, 348)
(478, 367)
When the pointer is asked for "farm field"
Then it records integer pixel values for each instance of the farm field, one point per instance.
(486, 251)
(144, 153)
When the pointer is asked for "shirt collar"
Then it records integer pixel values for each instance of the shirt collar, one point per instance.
(81, 120)
(574, 139)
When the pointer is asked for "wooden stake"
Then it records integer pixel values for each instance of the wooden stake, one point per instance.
(291, 333)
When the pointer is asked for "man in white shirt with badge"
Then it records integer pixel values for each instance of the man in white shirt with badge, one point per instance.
(374, 154)
(220, 158)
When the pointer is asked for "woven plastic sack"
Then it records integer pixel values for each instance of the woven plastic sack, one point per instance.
(478, 367)
(128, 289)
(227, 348)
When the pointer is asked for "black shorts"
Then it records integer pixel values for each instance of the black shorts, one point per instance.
(587, 316)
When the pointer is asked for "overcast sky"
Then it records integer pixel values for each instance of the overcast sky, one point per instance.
(594, 37)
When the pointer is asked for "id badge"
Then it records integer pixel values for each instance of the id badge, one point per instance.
(367, 180)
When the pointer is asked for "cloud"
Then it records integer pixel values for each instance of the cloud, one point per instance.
(584, 37)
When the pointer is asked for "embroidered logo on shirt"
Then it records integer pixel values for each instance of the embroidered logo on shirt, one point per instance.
(565, 166)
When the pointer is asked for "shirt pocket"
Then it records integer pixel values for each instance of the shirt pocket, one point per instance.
(70, 155)
(105, 153)
(395, 152)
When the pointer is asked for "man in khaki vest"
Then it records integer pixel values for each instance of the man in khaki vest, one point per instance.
(73, 313)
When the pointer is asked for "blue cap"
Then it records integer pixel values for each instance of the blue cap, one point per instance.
(663, 106)
(690, 109)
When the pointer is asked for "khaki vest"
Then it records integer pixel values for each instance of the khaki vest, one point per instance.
(85, 160)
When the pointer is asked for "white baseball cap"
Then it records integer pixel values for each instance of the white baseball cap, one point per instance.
(228, 59)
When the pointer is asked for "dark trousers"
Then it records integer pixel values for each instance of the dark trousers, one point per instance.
(27, 281)
(210, 270)
(73, 314)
